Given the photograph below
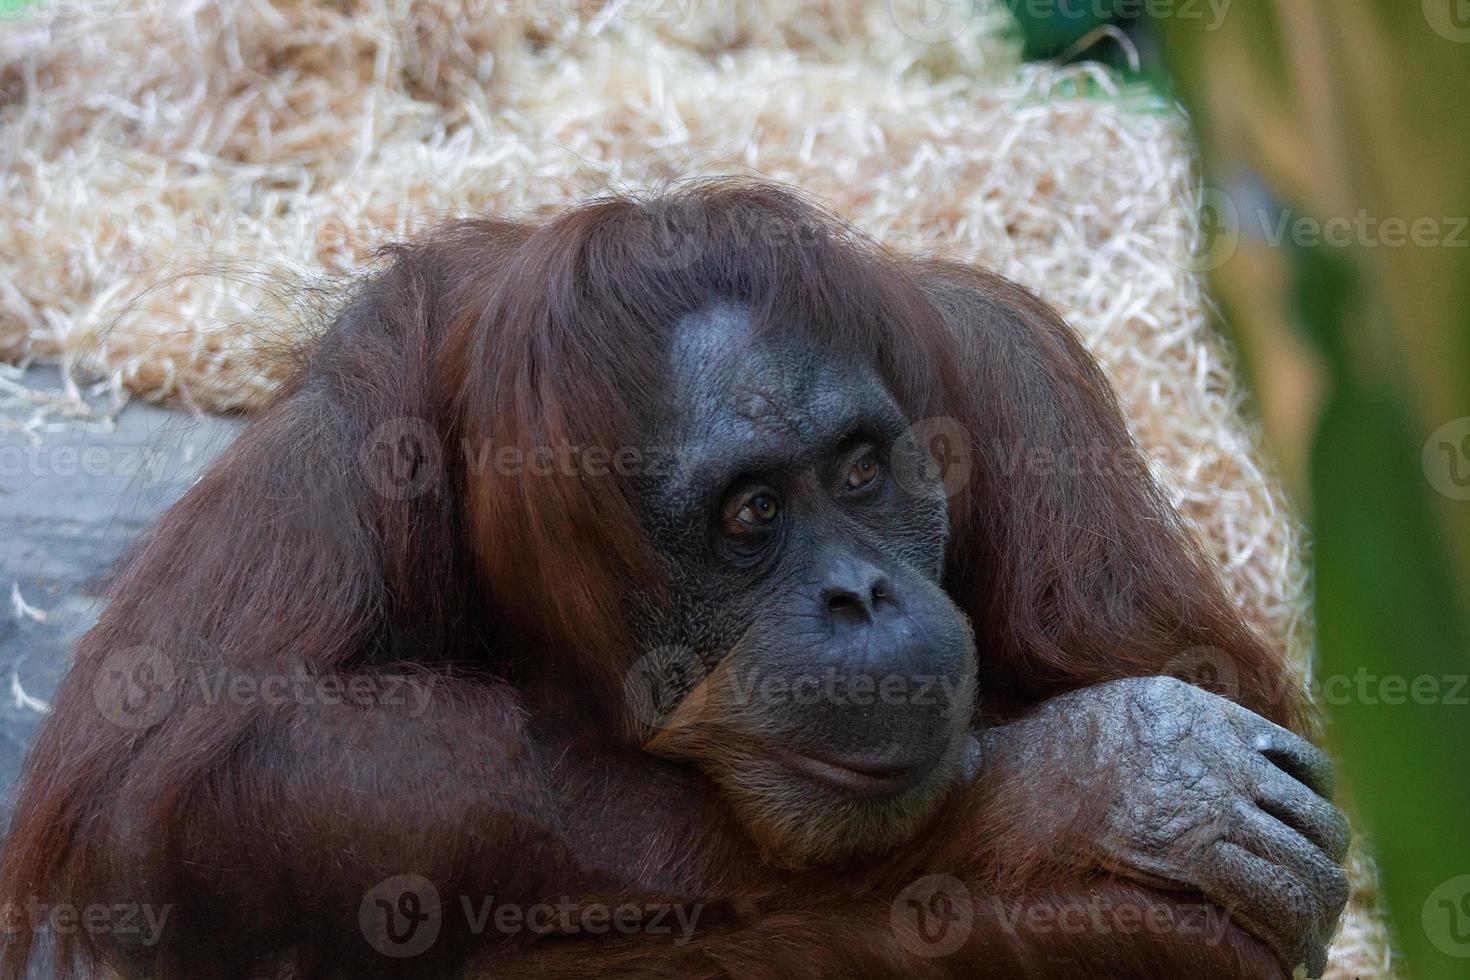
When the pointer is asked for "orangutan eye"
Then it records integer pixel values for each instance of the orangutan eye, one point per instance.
(752, 511)
(760, 509)
(863, 471)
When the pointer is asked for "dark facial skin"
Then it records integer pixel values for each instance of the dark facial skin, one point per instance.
(804, 572)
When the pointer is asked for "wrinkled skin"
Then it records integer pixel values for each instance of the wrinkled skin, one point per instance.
(1201, 793)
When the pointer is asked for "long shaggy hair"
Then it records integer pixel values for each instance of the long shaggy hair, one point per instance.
(349, 530)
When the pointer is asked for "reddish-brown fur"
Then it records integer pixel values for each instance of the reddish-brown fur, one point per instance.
(264, 824)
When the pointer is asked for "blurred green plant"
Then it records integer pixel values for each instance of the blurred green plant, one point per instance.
(1349, 298)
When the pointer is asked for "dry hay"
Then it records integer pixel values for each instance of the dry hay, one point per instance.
(174, 172)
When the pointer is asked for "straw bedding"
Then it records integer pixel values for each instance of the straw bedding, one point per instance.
(182, 178)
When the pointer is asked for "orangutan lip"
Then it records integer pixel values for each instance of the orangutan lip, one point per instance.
(859, 779)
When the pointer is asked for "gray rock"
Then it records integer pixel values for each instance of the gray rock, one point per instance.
(69, 507)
